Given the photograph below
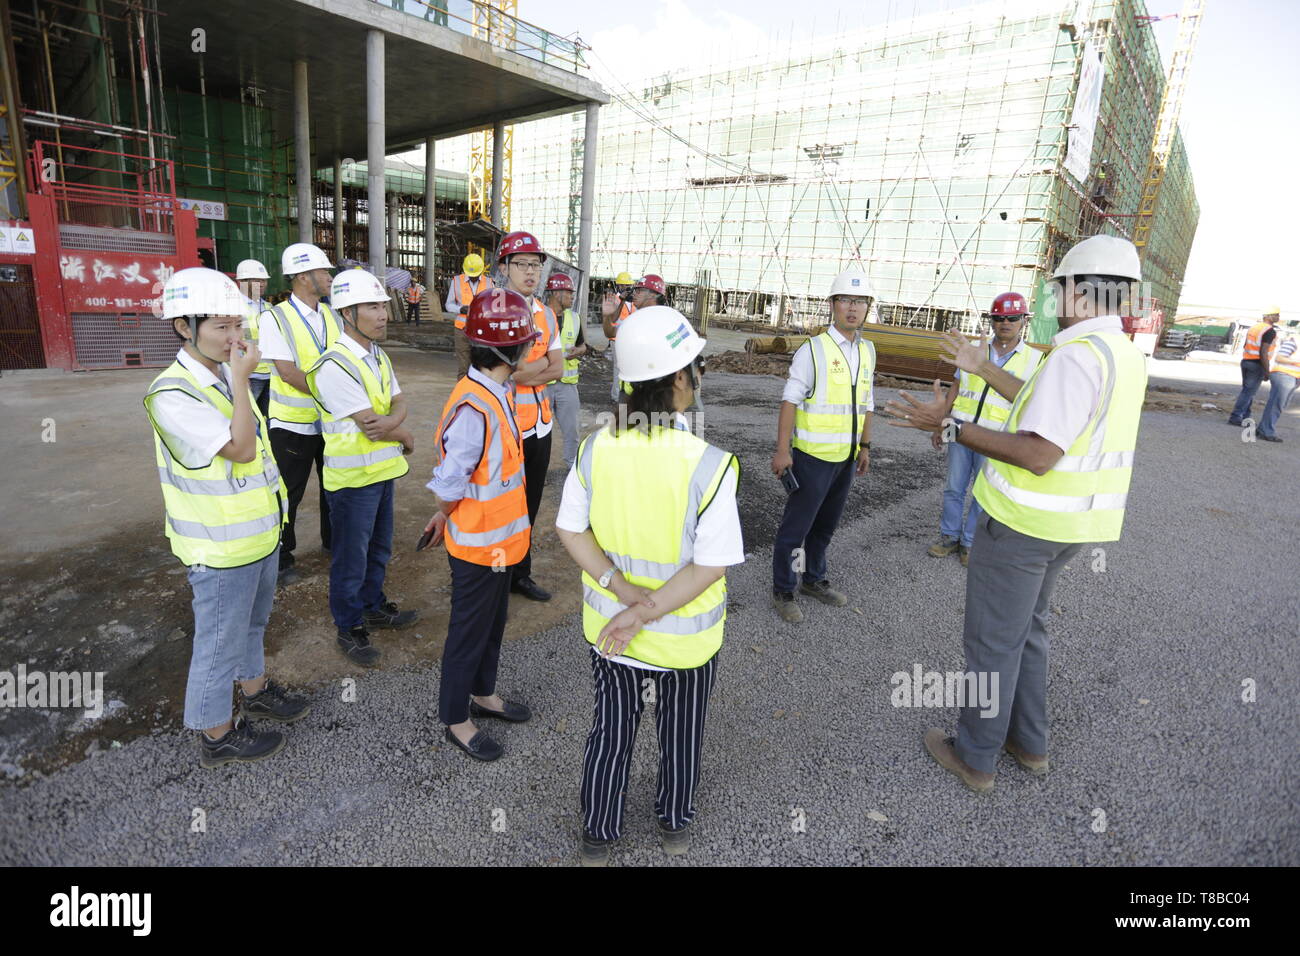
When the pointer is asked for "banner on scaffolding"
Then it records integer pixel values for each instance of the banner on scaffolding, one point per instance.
(1083, 121)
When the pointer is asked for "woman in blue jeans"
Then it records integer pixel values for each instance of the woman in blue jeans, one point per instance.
(1281, 385)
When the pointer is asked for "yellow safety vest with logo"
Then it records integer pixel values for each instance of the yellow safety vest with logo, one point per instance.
(672, 476)
(226, 513)
(351, 459)
(568, 338)
(828, 422)
(1083, 497)
(978, 402)
(254, 310)
(287, 403)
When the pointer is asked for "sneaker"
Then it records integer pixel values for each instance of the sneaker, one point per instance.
(593, 852)
(273, 703)
(387, 616)
(356, 645)
(675, 842)
(963, 555)
(944, 546)
(240, 744)
(823, 592)
(783, 601)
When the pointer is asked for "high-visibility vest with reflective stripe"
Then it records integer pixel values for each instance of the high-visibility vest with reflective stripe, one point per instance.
(467, 291)
(251, 319)
(626, 309)
(568, 338)
(226, 513)
(489, 526)
(287, 403)
(1254, 343)
(531, 403)
(1285, 360)
(414, 294)
(977, 401)
(351, 459)
(646, 495)
(828, 422)
(1082, 498)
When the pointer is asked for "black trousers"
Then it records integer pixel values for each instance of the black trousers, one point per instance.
(537, 461)
(294, 455)
(480, 596)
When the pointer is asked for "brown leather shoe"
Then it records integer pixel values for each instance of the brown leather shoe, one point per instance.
(940, 747)
(1034, 763)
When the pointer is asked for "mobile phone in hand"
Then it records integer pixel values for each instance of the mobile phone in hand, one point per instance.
(789, 481)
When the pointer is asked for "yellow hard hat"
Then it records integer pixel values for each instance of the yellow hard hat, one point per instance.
(473, 265)
(1273, 310)
(623, 278)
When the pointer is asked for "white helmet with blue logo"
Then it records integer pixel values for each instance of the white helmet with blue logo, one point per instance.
(302, 257)
(354, 286)
(851, 282)
(654, 342)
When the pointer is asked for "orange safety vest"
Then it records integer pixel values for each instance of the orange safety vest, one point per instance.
(623, 312)
(530, 400)
(489, 526)
(1251, 353)
(413, 294)
(467, 292)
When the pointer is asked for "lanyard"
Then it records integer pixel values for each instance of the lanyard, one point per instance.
(320, 346)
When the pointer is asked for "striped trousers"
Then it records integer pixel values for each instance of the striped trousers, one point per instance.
(681, 699)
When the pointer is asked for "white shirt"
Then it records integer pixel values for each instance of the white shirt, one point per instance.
(340, 393)
(542, 429)
(1068, 386)
(194, 431)
(717, 534)
(273, 346)
(800, 382)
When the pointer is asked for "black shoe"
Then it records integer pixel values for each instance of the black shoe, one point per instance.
(356, 645)
(515, 713)
(240, 744)
(273, 703)
(388, 616)
(1268, 437)
(480, 746)
(593, 852)
(287, 560)
(529, 589)
(1234, 421)
(287, 577)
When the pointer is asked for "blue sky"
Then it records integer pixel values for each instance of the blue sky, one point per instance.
(1238, 115)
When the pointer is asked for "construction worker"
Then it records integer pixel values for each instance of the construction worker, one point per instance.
(461, 293)
(252, 278)
(564, 394)
(225, 506)
(1281, 384)
(482, 515)
(299, 331)
(1256, 359)
(823, 439)
(362, 411)
(414, 295)
(615, 308)
(522, 260)
(975, 401)
(649, 514)
(1056, 475)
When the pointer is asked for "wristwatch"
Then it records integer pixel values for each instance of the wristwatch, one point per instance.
(607, 577)
(865, 444)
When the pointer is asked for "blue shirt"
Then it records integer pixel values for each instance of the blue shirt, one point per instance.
(462, 443)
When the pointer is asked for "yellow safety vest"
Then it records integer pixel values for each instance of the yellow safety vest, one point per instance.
(568, 338)
(351, 459)
(226, 513)
(672, 476)
(1082, 498)
(979, 402)
(287, 403)
(263, 368)
(828, 422)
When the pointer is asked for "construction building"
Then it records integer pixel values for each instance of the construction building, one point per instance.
(955, 156)
(139, 137)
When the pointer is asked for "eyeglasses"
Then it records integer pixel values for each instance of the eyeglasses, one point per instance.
(526, 266)
(852, 300)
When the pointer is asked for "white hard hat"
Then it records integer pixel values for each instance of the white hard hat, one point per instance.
(302, 257)
(1101, 256)
(654, 342)
(353, 286)
(851, 282)
(251, 269)
(200, 291)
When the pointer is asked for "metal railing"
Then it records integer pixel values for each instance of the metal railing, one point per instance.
(501, 29)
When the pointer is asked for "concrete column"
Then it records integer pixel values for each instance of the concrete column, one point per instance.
(394, 230)
(339, 217)
(588, 200)
(375, 150)
(498, 169)
(430, 219)
(302, 149)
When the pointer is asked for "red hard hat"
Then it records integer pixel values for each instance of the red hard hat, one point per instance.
(559, 282)
(516, 242)
(1010, 303)
(500, 317)
(652, 282)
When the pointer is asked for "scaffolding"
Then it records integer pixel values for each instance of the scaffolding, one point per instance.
(931, 151)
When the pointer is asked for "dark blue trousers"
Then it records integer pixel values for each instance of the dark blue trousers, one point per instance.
(1252, 376)
(480, 595)
(811, 515)
(362, 523)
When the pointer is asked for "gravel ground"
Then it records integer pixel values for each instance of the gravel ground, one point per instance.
(806, 760)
